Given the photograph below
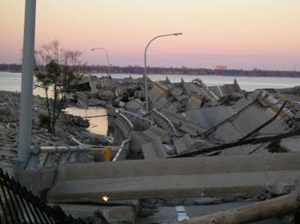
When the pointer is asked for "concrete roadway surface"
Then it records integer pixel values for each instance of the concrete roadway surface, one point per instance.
(171, 215)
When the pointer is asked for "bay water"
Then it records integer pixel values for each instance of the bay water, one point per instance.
(12, 81)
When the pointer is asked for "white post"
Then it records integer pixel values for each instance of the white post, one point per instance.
(27, 85)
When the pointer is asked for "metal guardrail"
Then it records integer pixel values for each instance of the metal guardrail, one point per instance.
(123, 151)
(164, 122)
(137, 117)
(120, 121)
(51, 156)
(18, 205)
(124, 120)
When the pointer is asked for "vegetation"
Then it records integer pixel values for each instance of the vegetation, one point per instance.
(56, 73)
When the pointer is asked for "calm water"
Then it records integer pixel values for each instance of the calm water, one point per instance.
(98, 125)
(12, 81)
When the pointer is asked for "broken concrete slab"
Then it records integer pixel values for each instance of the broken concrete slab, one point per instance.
(137, 140)
(118, 214)
(231, 125)
(209, 117)
(182, 123)
(274, 105)
(134, 105)
(194, 102)
(184, 144)
(154, 150)
(291, 144)
(155, 132)
(226, 89)
(158, 95)
(106, 82)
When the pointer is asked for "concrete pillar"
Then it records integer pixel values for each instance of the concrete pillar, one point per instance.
(27, 85)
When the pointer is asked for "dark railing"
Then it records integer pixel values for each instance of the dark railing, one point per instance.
(20, 206)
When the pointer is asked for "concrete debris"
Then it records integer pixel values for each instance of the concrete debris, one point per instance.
(117, 215)
(242, 145)
(181, 122)
(9, 125)
(158, 133)
(226, 90)
(134, 105)
(184, 144)
(154, 150)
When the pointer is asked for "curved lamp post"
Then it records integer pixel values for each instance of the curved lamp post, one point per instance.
(107, 58)
(145, 65)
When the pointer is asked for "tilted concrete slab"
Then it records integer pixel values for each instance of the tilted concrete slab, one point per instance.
(182, 123)
(154, 150)
(184, 144)
(291, 144)
(158, 95)
(251, 117)
(226, 89)
(137, 140)
(217, 90)
(193, 88)
(209, 117)
(255, 116)
(134, 105)
(188, 177)
(194, 102)
(155, 132)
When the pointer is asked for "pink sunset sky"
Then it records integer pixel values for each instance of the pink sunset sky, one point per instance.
(241, 34)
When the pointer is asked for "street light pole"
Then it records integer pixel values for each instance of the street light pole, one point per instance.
(145, 66)
(107, 58)
(27, 85)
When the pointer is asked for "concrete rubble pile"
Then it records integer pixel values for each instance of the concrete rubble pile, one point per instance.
(199, 151)
(9, 126)
(188, 117)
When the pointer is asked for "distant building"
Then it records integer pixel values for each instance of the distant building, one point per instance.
(220, 67)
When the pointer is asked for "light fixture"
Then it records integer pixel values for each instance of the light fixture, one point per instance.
(105, 198)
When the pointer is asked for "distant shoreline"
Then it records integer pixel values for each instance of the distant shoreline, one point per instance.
(138, 70)
(167, 74)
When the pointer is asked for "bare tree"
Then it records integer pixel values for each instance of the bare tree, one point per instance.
(56, 72)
